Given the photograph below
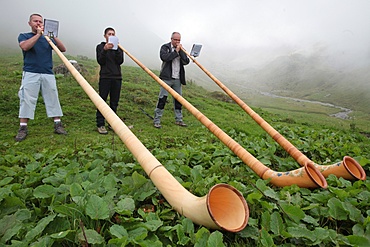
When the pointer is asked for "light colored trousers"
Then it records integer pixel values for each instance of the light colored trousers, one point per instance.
(32, 84)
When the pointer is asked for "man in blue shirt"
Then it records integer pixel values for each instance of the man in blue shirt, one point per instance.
(38, 76)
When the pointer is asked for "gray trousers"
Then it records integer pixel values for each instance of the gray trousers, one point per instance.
(175, 84)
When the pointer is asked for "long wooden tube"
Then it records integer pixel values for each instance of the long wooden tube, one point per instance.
(307, 176)
(348, 168)
(223, 208)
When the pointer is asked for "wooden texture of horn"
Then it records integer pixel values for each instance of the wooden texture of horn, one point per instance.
(301, 177)
(348, 168)
(223, 208)
(351, 171)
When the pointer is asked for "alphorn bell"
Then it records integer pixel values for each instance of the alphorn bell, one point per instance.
(348, 168)
(307, 177)
(223, 208)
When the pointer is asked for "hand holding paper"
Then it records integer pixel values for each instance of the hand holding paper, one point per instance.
(113, 40)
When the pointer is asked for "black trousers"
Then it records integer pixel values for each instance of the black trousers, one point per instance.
(111, 87)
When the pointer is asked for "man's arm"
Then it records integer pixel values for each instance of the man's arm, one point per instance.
(59, 44)
(166, 54)
(29, 43)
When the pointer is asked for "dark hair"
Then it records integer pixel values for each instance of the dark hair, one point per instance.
(34, 15)
(109, 29)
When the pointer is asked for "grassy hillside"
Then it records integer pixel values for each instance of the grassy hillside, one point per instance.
(52, 187)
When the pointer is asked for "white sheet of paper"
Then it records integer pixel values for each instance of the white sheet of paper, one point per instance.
(114, 41)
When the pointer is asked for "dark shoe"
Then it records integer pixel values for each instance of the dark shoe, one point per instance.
(58, 128)
(102, 130)
(157, 125)
(181, 123)
(22, 133)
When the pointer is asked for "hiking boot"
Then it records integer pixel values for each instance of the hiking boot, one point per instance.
(181, 123)
(102, 130)
(58, 128)
(22, 133)
(157, 125)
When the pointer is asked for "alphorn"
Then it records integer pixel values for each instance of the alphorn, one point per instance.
(348, 168)
(307, 177)
(223, 207)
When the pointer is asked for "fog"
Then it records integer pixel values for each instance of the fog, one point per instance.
(235, 34)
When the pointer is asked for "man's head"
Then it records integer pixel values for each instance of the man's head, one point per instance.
(175, 38)
(35, 22)
(109, 31)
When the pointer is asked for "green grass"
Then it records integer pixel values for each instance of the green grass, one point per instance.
(51, 176)
(138, 97)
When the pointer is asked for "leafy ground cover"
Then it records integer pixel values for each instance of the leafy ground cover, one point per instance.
(64, 190)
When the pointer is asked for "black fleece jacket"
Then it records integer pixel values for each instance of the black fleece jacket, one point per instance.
(110, 62)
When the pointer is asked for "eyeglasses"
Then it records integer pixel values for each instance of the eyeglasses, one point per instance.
(176, 39)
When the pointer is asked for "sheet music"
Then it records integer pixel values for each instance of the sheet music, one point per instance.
(195, 50)
(51, 28)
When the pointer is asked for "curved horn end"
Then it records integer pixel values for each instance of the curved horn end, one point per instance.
(227, 207)
(316, 175)
(307, 176)
(348, 169)
(354, 168)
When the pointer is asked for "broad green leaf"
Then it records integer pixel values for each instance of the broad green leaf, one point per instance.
(137, 234)
(93, 237)
(44, 191)
(266, 238)
(267, 191)
(301, 232)
(153, 225)
(188, 226)
(32, 166)
(358, 241)
(215, 240)
(254, 196)
(138, 179)
(276, 224)
(97, 208)
(182, 238)
(294, 212)
(118, 231)
(7, 222)
(5, 181)
(251, 232)
(265, 220)
(125, 206)
(109, 182)
(321, 234)
(39, 228)
(43, 241)
(118, 242)
(10, 205)
(311, 220)
(23, 214)
(8, 233)
(354, 213)
(76, 190)
(61, 234)
(336, 209)
(201, 237)
(71, 210)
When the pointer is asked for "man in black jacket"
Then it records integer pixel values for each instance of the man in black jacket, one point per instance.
(173, 74)
(110, 78)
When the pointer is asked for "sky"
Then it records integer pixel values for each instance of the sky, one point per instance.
(234, 33)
